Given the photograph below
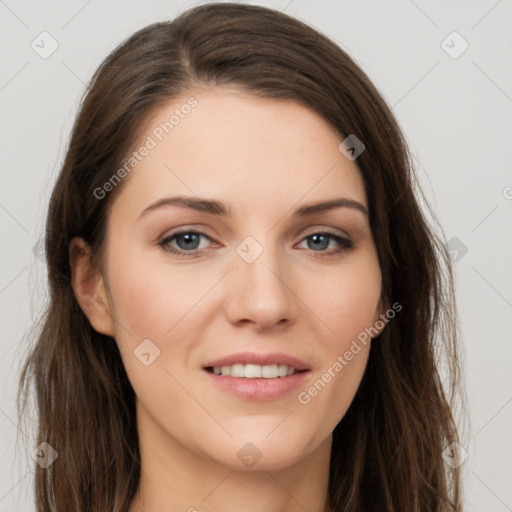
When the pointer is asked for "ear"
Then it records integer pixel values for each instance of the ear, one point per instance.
(380, 319)
(89, 287)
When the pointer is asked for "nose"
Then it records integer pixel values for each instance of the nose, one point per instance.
(261, 293)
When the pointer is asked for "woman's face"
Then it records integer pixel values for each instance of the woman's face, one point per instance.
(248, 279)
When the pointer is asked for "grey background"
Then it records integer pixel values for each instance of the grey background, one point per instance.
(456, 115)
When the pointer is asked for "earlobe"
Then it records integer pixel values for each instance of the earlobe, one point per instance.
(381, 317)
(89, 287)
(383, 305)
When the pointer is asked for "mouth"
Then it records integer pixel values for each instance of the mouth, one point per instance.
(252, 376)
(254, 371)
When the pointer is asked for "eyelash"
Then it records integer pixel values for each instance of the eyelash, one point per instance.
(345, 244)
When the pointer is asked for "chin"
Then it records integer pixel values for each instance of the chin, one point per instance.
(258, 453)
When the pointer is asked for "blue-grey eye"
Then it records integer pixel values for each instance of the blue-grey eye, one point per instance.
(320, 241)
(190, 241)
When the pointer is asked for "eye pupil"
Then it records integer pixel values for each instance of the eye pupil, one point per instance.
(191, 241)
(317, 238)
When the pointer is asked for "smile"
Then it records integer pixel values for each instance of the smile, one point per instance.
(254, 371)
(257, 376)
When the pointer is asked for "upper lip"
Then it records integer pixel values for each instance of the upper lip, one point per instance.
(260, 359)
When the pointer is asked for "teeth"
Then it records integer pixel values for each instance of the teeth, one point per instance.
(251, 371)
(237, 370)
(270, 371)
(255, 371)
(282, 370)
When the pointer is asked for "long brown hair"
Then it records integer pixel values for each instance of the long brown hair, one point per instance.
(387, 450)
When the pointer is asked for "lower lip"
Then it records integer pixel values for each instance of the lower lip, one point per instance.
(259, 389)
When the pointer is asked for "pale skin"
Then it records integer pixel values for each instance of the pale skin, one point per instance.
(262, 159)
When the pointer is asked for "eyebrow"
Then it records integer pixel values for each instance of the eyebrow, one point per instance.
(219, 208)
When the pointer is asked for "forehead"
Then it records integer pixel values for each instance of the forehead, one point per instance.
(247, 151)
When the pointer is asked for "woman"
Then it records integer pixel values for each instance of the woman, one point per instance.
(247, 303)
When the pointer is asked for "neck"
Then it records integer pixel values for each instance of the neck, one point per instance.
(177, 479)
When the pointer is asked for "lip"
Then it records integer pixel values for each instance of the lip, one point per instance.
(261, 359)
(258, 389)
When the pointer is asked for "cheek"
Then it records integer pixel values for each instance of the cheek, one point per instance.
(156, 303)
(349, 301)
(150, 298)
(348, 305)
(164, 304)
